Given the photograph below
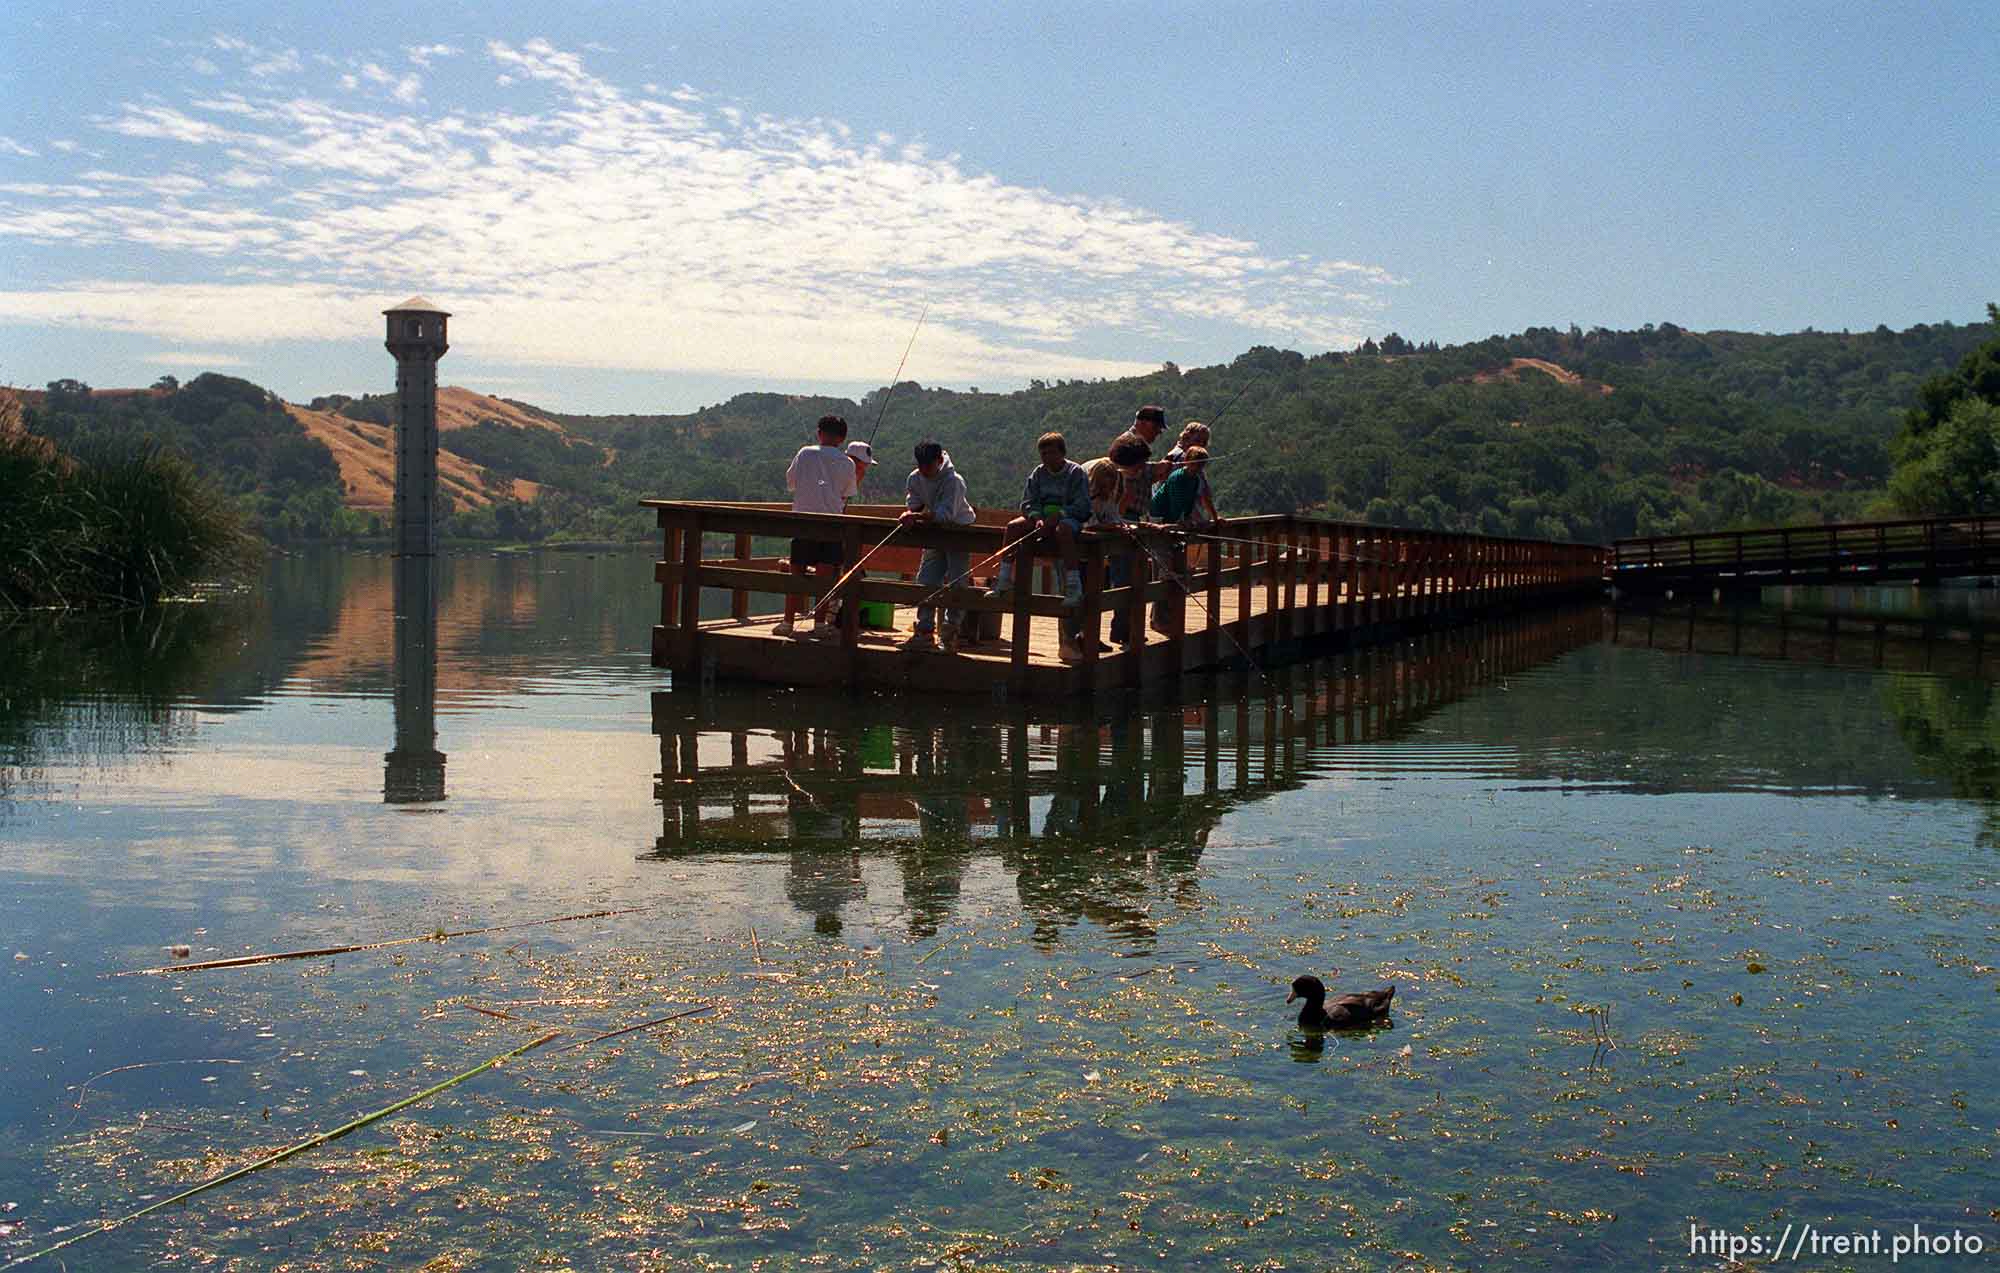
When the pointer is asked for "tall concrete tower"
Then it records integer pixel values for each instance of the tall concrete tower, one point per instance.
(416, 338)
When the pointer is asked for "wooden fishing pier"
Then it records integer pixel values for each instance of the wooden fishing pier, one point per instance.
(1923, 550)
(1265, 589)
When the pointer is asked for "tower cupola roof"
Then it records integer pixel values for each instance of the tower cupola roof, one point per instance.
(417, 305)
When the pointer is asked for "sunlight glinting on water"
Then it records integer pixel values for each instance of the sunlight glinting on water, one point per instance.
(983, 985)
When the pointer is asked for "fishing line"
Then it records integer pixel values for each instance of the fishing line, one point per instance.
(891, 392)
(1255, 377)
(1323, 554)
(826, 597)
(1232, 402)
(976, 566)
(1166, 568)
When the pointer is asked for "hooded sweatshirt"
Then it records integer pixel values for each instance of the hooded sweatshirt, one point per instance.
(1068, 486)
(942, 497)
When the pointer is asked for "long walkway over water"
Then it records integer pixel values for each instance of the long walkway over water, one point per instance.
(1263, 588)
(1743, 561)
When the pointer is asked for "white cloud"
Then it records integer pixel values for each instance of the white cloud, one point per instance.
(193, 358)
(583, 226)
(8, 146)
(425, 54)
(404, 88)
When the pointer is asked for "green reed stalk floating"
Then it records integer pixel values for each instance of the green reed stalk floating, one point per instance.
(311, 1142)
(643, 1025)
(322, 952)
(926, 958)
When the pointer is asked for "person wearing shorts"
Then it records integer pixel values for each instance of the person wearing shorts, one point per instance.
(821, 479)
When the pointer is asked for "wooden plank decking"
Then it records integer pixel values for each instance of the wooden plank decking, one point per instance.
(1266, 588)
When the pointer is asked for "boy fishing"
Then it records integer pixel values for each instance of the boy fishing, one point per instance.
(935, 495)
(822, 479)
(1118, 485)
(1055, 501)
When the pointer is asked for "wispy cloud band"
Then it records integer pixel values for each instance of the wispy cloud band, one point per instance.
(581, 225)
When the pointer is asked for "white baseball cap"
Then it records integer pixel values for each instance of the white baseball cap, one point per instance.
(859, 450)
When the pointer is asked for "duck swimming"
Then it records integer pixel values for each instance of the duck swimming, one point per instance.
(1349, 1012)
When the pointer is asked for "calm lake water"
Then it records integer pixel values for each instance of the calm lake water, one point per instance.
(1692, 916)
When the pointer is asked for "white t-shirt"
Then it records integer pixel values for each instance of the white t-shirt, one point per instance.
(821, 479)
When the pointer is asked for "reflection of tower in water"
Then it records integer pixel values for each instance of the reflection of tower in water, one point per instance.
(414, 772)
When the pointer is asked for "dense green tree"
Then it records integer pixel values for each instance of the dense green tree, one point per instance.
(1977, 376)
(1668, 430)
(1946, 459)
(1953, 467)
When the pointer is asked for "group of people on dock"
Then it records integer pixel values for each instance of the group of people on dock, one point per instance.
(1120, 492)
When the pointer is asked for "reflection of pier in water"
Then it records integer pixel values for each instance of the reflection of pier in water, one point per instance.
(1089, 811)
(413, 773)
(1942, 645)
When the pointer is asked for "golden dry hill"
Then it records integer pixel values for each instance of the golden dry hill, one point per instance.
(1554, 371)
(367, 458)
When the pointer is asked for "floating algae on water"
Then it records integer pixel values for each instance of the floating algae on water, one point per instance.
(741, 1132)
(1067, 1050)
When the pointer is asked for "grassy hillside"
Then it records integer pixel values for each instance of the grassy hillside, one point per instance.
(1570, 434)
(1578, 434)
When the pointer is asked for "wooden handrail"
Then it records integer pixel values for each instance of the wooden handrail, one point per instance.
(1294, 578)
(1920, 526)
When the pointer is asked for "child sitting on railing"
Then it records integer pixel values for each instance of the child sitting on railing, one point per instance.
(1055, 501)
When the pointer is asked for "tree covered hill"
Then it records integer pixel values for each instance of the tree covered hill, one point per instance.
(1697, 430)
(1558, 433)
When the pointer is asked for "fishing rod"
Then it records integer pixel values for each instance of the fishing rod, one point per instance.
(976, 566)
(893, 380)
(1166, 568)
(1317, 553)
(1254, 378)
(826, 598)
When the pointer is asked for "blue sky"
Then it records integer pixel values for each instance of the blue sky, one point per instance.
(634, 208)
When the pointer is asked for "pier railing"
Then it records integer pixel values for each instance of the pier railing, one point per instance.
(1250, 584)
(1842, 552)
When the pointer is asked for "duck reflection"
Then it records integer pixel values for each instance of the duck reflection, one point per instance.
(413, 772)
(1100, 816)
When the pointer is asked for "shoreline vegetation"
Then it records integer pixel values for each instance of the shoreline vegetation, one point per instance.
(112, 525)
(120, 498)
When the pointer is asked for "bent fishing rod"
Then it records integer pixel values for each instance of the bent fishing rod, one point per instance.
(890, 392)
